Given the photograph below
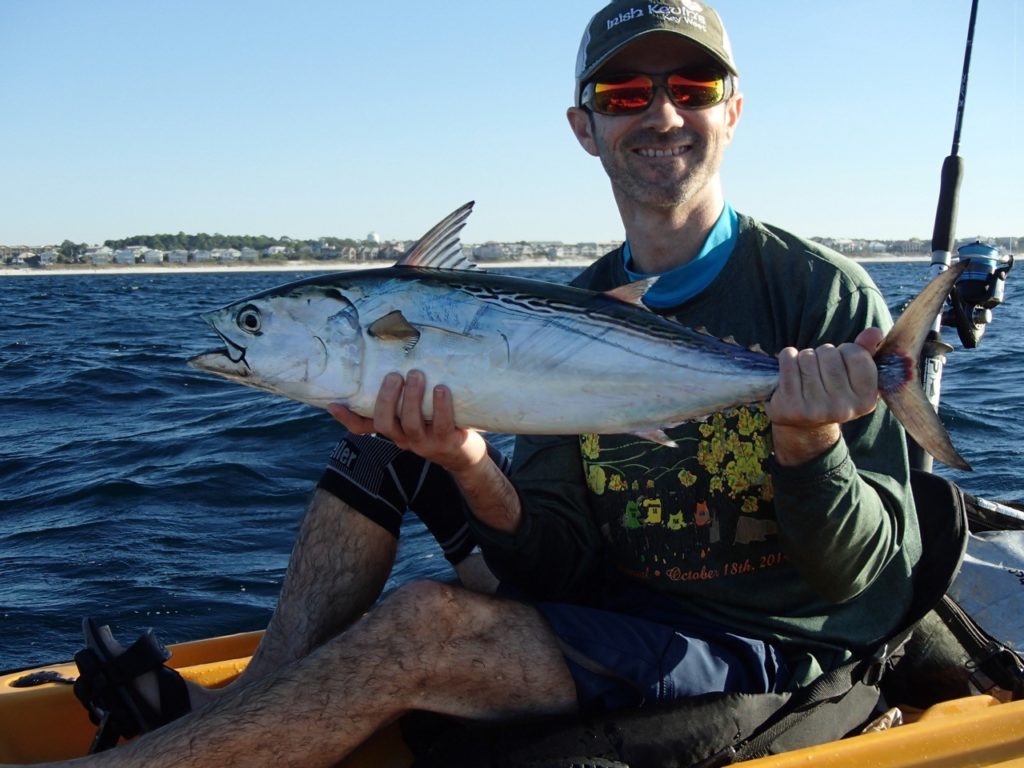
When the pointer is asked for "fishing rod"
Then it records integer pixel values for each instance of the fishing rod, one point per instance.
(981, 286)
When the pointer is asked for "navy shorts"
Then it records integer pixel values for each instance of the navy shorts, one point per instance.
(641, 647)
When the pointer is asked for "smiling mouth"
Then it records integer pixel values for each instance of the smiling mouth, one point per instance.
(669, 152)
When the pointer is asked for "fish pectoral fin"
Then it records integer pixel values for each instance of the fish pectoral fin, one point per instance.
(633, 293)
(659, 437)
(394, 327)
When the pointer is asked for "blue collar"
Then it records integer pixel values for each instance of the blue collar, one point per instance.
(683, 283)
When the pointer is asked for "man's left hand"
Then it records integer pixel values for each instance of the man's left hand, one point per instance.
(820, 389)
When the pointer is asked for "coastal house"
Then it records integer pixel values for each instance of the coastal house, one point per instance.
(177, 257)
(912, 246)
(841, 244)
(275, 250)
(99, 254)
(47, 258)
(125, 256)
(200, 256)
(490, 251)
(225, 254)
(591, 250)
(249, 254)
(153, 256)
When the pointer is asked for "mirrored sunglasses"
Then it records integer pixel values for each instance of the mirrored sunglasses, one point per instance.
(631, 93)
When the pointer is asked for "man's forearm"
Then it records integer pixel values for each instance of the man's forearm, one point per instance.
(490, 496)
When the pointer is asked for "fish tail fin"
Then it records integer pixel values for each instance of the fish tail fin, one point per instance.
(899, 383)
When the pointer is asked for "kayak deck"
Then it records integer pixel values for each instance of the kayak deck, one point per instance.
(46, 722)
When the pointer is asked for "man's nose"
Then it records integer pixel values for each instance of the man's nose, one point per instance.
(662, 112)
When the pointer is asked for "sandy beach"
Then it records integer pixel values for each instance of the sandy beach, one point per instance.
(323, 266)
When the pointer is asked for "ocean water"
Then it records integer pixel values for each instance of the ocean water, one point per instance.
(145, 494)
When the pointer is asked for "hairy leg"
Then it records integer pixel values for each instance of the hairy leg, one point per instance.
(338, 567)
(337, 570)
(428, 646)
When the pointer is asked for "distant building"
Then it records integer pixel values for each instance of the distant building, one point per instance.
(249, 254)
(153, 256)
(177, 257)
(490, 252)
(99, 254)
(225, 254)
(125, 256)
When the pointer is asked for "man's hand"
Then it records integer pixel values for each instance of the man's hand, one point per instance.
(820, 389)
(398, 415)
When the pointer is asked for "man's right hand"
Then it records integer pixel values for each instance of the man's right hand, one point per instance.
(398, 415)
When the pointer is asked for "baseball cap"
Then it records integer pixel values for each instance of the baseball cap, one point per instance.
(621, 22)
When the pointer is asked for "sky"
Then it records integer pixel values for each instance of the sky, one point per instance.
(313, 118)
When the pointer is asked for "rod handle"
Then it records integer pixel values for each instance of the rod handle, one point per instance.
(949, 201)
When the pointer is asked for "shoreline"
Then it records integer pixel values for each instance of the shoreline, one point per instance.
(311, 266)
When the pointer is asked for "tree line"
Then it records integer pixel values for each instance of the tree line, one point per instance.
(205, 242)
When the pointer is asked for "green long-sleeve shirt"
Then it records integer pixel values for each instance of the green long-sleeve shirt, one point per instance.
(816, 558)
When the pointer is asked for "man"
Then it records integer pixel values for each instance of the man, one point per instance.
(770, 545)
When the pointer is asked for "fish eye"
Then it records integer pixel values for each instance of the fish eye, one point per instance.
(249, 319)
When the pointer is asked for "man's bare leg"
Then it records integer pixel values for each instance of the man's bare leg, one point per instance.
(339, 565)
(337, 570)
(428, 646)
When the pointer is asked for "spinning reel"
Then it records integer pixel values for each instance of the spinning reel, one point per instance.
(977, 292)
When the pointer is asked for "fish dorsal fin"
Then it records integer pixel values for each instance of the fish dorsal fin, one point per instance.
(757, 348)
(394, 327)
(633, 293)
(731, 340)
(440, 247)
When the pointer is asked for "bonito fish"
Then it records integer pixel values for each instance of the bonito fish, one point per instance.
(523, 356)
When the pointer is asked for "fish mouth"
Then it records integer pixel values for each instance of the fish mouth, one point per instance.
(222, 360)
(230, 345)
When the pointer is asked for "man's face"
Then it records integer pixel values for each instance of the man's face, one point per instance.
(663, 157)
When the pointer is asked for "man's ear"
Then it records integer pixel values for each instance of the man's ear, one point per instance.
(733, 110)
(582, 124)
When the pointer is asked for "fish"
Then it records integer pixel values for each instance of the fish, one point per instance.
(525, 356)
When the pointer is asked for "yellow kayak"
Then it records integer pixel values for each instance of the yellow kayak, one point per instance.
(45, 722)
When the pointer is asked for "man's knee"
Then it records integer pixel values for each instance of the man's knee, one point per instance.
(427, 601)
(438, 612)
(327, 511)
